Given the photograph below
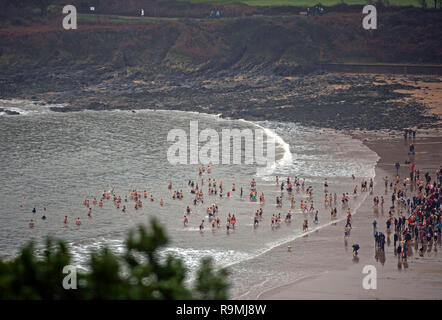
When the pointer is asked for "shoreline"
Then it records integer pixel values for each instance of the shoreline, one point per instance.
(379, 143)
(344, 281)
(323, 100)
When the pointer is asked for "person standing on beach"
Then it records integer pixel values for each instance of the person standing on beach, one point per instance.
(399, 251)
(374, 226)
(404, 252)
(397, 165)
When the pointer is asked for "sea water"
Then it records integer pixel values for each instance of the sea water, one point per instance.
(56, 160)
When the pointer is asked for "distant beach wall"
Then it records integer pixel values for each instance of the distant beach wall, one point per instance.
(382, 68)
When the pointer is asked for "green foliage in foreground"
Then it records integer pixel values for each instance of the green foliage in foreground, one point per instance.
(139, 273)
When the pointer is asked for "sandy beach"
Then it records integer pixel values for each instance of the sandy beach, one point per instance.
(337, 274)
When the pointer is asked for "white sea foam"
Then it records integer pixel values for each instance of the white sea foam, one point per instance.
(26, 107)
(287, 157)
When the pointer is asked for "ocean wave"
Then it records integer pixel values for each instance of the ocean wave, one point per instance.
(287, 157)
(26, 107)
(190, 256)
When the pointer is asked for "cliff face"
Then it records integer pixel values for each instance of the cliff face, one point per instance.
(182, 63)
(243, 67)
(278, 44)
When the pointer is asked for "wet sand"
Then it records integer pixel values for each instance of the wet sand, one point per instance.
(334, 274)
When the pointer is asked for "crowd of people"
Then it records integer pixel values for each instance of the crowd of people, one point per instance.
(215, 189)
(414, 216)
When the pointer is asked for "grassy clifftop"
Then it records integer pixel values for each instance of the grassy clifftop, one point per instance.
(415, 3)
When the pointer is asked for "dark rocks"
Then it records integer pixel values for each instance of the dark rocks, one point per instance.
(11, 113)
(332, 100)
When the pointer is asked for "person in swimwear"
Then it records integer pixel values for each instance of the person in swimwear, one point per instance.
(65, 220)
(346, 232)
(202, 225)
(288, 216)
(186, 221)
(31, 224)
(255, 221)
(305, 226)
(78, 222)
